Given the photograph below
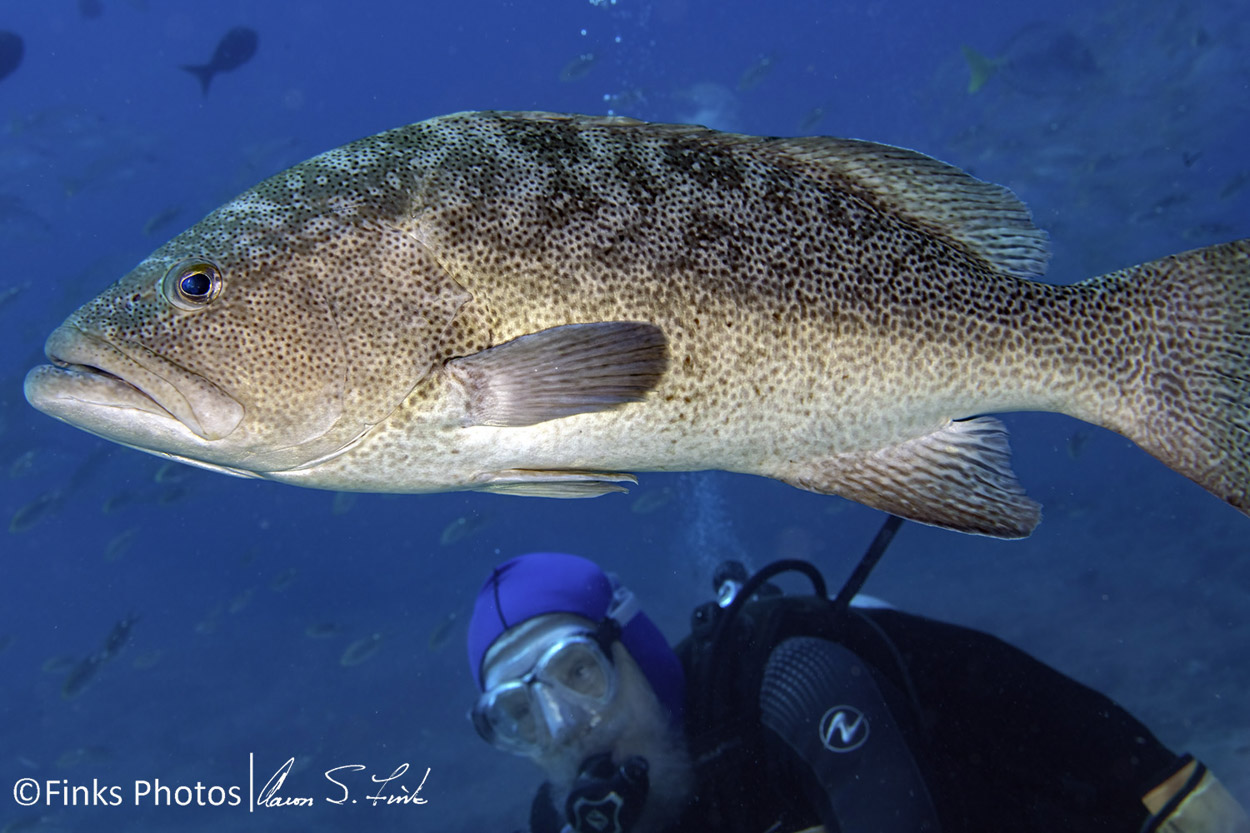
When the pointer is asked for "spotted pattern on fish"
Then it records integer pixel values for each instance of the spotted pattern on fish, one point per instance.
(833, 313)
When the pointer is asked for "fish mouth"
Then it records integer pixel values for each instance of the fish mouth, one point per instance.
(118, 393)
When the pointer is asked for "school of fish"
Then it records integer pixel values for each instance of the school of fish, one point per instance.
(540, 304)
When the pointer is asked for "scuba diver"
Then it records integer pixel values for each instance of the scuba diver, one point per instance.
(784, 713)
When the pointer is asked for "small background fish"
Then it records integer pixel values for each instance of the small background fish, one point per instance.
(235, 49)
(12, 50)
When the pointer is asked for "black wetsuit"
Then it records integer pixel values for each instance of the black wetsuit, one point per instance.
(960, 732)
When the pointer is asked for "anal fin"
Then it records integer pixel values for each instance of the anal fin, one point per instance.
(958, 477)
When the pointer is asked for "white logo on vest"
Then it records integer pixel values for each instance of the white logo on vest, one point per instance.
(843, 729)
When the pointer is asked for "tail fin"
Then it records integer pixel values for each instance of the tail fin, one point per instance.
(204, 72)
(1186, 397)
(980, 68)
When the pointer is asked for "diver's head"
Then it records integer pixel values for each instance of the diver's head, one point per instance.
(569, 668)
(556, 647)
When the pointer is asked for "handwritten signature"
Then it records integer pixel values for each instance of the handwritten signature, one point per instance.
(387, 792)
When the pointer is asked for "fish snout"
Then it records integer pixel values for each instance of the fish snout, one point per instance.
(106, 381)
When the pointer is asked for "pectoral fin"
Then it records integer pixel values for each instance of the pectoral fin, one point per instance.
(561, 371)
(958, 477)
(563, 484)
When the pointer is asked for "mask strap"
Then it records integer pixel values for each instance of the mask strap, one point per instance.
(624, 607)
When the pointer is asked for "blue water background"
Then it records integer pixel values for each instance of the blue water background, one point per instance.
(1137, 581)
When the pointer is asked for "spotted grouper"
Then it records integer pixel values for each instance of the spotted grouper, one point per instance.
(538, 304)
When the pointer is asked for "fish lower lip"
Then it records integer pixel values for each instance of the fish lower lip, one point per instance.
(97, 402)
(111, 377)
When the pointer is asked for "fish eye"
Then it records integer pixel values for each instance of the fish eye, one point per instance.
(193, 283)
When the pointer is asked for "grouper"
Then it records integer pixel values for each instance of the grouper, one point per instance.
(540, 304)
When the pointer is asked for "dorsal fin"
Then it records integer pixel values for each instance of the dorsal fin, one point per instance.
(987, 221)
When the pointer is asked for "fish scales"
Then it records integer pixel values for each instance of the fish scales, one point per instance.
(533, 303)
(683, 228)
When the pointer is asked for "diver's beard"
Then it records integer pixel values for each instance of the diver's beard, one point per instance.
(671, 778)
(640, 728)
(670, 775)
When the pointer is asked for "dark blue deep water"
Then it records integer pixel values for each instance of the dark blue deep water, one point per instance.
(1123, 124)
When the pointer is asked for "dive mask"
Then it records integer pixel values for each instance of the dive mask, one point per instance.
(562, 696)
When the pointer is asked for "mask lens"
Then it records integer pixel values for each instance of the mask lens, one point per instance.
(580, 668)
(505, 716)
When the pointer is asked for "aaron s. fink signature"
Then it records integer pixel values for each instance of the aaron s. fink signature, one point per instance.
(269, 794)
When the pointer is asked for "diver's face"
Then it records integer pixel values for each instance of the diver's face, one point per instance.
(549, 685)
